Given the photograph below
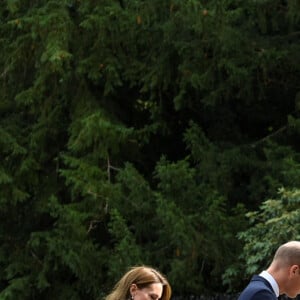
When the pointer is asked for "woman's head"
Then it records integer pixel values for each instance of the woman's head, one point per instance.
(141, 283)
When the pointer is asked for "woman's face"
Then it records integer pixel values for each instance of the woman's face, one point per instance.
(151, 292)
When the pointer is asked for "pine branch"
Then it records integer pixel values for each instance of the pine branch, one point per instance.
(269, 136)
(110, 167)
(36, 257)
(93, 225)
(3, 74)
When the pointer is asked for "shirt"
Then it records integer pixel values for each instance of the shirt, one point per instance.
(271, 280)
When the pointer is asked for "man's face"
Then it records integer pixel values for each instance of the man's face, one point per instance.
(293, 284)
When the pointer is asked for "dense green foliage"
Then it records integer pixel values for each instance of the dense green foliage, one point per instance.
(145, 131)
(276, 222)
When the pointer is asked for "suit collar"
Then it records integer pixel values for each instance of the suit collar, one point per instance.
(266, 275)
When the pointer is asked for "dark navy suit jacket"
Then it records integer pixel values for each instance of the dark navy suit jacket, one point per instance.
(258, 289)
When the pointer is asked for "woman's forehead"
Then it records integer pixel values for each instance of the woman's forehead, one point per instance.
(156, 288)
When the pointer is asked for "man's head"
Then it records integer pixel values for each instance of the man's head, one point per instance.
(288, 254)
(285, 268)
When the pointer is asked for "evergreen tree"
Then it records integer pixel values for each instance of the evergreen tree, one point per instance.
(141, 132)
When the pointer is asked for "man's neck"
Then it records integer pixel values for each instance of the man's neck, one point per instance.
(270, 278)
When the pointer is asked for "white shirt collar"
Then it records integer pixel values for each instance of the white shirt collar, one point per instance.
(271, 280)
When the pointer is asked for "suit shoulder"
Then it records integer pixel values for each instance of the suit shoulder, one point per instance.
(258, 289)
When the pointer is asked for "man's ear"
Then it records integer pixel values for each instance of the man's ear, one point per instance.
(294, 269)
(133, 289)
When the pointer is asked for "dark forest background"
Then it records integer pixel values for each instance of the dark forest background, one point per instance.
(158, 132)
